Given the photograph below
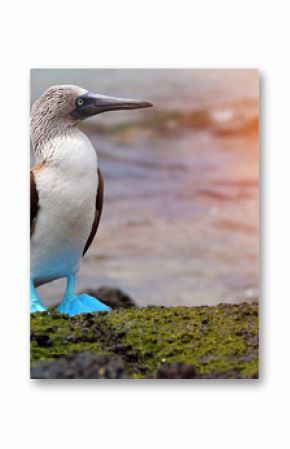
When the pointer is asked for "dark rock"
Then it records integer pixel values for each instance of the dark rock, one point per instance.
(42, 340)
(113, 297)
(176, 371)
(233, 373)
(84, 365)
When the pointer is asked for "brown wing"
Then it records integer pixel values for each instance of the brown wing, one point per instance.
(33, 202)
(99, 207)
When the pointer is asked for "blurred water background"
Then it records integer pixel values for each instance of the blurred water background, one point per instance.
(180, 220)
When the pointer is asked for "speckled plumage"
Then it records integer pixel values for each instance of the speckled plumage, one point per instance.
(50, 118)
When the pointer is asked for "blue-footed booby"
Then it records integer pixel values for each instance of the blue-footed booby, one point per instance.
(66, 188)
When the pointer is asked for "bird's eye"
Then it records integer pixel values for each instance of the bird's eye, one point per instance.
(80, 101)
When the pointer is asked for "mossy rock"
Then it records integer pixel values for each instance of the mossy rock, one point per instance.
(154, 342)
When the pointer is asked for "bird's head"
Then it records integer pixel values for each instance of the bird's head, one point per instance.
(61, 107)
(75, 103)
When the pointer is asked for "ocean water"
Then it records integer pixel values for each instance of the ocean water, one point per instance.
(180, 221)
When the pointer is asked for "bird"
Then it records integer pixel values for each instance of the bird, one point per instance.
(66, 190)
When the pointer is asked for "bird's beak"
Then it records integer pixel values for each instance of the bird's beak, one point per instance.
(90, 104)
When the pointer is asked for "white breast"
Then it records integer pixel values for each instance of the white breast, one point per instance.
(67, 188)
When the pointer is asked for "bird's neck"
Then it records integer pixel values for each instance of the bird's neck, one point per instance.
(65, 148)
(47, 133)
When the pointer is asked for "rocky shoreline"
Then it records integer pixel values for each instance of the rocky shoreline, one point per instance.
(153, 342)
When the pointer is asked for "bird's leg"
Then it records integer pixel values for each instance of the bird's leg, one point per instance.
(35, 303)
(73, 304)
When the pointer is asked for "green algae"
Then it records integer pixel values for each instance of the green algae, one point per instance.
(219, 342)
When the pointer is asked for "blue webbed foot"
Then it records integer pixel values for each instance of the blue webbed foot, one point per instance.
(82, 304)
(35, 303)
(74, 305)
(37, 307)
